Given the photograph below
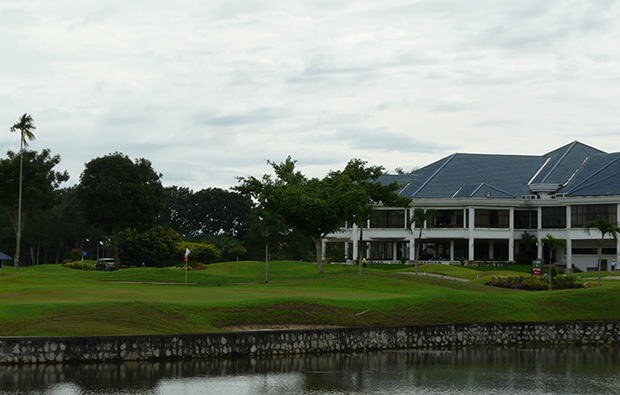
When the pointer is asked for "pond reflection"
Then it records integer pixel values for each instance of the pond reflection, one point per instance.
(488, 370)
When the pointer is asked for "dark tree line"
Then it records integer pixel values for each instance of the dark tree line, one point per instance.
(120, 209)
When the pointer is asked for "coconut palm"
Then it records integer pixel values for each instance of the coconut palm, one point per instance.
(552, 243)
(605, 228)
(25, 125)
(361, 218)
(419, 217)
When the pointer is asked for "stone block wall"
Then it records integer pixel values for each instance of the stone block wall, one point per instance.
(19, 350)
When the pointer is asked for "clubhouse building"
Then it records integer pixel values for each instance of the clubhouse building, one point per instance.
(488, 206)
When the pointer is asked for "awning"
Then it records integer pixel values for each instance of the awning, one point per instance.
(5, 257)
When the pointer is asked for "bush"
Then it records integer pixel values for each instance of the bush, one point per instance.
(536, 283)
(200, 252)
(88, 265)
(76, 254)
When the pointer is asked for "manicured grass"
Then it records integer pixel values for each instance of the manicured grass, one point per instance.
(53, 300)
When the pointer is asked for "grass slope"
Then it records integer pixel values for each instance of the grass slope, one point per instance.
(53, 300)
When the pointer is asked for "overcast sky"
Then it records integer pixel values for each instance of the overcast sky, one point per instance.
(208, 90)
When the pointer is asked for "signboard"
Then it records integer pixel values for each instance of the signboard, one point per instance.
(536, 268)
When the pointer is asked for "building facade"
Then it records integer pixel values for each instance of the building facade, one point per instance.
(498, 208)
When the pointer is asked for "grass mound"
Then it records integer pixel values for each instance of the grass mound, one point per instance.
(55, 300)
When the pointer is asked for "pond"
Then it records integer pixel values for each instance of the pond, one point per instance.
(512, 371)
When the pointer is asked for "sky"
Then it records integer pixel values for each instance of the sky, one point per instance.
(210, 90)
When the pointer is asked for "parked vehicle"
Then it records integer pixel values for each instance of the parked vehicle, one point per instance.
(105, 264)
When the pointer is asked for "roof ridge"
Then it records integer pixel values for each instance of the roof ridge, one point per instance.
(578, 186)
(434, 174)
(572, 145)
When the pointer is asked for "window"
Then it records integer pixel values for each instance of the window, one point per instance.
(492, 218)
(553, 217)
(580, 214)
(449, 219)
(388, 219)
(526, 219)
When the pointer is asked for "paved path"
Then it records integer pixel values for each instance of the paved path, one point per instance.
(437, 276)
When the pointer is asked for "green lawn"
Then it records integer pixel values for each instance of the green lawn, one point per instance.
(53, 300)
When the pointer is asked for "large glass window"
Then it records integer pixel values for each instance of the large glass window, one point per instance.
(449, 219)
(553, 217)
(526, 219)
(492, 218)
(580, 214)
(388, 219)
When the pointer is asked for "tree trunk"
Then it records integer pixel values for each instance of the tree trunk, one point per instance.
(360, 249)
(549, 273)
(18, 234)
(319, 255)
(266, 260)
(417, 254)
(600, 256)
(32, 255)
(117, 262)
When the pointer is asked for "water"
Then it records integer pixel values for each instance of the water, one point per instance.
(475, 371)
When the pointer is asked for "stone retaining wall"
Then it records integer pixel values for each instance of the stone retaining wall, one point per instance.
(16, 350)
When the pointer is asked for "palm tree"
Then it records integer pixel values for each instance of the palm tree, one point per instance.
(361, 220)
(419, 217)
(552, 243)
(25, 126)
(606, 228)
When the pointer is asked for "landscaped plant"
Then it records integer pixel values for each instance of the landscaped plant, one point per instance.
(536, 283)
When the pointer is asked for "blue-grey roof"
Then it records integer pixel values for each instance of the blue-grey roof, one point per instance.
(5, 257)
(577, 170)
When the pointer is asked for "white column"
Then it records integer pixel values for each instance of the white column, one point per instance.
(471, 232)
(618, 242)
(491, 249)
(569, 253)
(355, 236)
(323, 248)
(511, 240)
(452, 249)
(394, 252)
(412, 247)
(539, 237)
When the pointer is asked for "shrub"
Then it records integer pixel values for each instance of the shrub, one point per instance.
(534, 284)
(200, 252)
(76, 254)
(78, 265)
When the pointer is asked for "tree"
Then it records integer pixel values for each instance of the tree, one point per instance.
(118, 194)
(605, 228)
(552, 243)
(317, 207)
(270, 226)
(25, 126)
(527, 249)
(33, 173)
(420, 216)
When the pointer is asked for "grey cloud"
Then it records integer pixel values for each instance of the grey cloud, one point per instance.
(264, 115)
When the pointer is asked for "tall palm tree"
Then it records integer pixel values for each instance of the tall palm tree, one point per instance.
(552, 243)
(420, 216)
(25, 125)
(361, 218)
(606, 228)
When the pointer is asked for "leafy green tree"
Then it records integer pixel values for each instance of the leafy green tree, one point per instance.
(177, 212)
(201, 252)
(157, 246)
(420, 216)
(552, 243)
(118, 194)
(527, 249)
(317, 207)
(270, 226)
(210, 211)
(605, 228)
(39, 182)
(25, 126)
